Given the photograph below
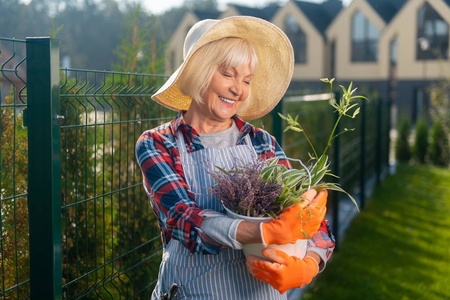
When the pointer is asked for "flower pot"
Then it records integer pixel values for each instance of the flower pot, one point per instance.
(298, 249)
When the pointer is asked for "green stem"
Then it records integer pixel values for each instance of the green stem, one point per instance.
(332, 135)
(309, 142)
(335, 125)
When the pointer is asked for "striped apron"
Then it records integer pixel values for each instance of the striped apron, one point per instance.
(212, 277)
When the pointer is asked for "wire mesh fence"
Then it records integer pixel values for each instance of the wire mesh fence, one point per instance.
(111, 241)
(14, 243)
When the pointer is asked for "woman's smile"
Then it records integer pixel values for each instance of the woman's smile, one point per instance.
(228, 101)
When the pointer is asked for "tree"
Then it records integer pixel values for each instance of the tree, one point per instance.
(420, 147)
(439, 146)
(140, 51)
(440, 104)
(402, 147)
(90, 33)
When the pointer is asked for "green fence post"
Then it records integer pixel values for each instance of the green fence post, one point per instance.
(378, 161)
(336, 167)
(362, 160)
(388, 133)
(277, 122)
(44, 168)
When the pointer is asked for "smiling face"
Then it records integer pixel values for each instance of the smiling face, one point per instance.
(218, 80)
(226, 93)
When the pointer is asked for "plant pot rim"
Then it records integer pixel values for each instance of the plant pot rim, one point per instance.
(247, 218)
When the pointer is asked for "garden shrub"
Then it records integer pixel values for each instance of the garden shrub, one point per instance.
(402, 147)
(421, 141)
(439, 151)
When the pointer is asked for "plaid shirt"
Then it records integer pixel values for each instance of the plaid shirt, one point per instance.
(178, 214)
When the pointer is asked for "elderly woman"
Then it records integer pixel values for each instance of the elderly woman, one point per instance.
(234, 69)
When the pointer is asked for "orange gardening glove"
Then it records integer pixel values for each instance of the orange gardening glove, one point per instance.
(285, 273)
(299, 221)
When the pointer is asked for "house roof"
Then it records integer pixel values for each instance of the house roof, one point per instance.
(206, 14)
(265, 13)
(387, 9)
(320, 14)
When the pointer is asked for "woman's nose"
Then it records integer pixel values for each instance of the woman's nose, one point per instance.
(236, 89)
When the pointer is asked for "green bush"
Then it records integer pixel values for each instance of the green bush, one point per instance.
(439, 147)
(402, 147)
(421, 141)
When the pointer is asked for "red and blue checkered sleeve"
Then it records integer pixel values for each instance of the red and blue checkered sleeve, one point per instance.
(267, 147)
(178, 215)
(323, 239)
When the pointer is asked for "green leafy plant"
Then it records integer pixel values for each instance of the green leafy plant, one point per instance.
(421, 141)
(439, 150)
(292, 183)
(402, 147)
(312, 177)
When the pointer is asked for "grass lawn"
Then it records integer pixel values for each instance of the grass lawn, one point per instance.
(398, 247)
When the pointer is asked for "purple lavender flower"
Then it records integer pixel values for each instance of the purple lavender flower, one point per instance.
(243, 190)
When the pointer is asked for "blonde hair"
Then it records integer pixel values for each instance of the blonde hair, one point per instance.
(227, 52)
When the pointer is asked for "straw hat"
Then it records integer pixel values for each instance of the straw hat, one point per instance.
(275, 62)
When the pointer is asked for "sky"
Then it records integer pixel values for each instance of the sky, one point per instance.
(159, 6)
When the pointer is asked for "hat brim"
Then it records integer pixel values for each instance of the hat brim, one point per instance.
(275, 65)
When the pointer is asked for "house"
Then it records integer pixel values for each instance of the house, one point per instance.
(414, 53)
(305, 24)
(353, 40)
(175, 47)
(394, 48)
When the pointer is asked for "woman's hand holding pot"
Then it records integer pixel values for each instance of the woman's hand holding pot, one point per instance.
(299, 221)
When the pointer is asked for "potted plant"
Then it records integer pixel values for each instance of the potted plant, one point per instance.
(260, 191)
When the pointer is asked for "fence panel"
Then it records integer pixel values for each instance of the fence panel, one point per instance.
(14, 240)
(89, 213)
(111, 241)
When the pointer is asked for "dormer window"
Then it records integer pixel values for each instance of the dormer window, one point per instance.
(432, 34)
(297, 38)
(364, 39)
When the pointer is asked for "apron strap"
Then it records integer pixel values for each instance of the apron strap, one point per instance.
(181, 144)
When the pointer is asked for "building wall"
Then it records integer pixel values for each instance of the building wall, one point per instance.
(340, 31)
(409, 104)
(404, 27)
(313, 69)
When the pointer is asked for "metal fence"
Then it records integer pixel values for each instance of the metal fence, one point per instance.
(111, 241)
(75, 221)
(14, 243)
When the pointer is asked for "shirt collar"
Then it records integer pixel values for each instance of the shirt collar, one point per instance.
(244, 127)
(178, 122)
